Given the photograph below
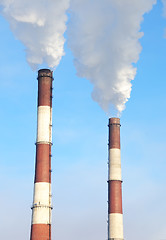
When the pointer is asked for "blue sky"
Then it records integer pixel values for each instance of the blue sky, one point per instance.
(80, 136)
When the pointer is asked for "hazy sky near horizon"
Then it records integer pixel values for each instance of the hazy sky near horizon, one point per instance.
(80, 137)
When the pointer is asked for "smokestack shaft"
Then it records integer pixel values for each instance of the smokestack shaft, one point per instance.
(115, 213)
(41, 209)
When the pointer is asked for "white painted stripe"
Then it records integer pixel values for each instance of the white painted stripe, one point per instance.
(50, 128)
(115, 226)
(44, 125)
(41, 213)
(41, 193)
(115, 164)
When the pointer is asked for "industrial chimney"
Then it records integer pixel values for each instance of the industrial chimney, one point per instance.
(41, 208)
(115, 213)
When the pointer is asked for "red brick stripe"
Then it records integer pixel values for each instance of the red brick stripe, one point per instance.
(45, 87)
(115, 197)
(114, 133)
(43, 163)
(40, 232)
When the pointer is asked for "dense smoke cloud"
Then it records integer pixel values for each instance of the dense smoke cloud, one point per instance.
(104, 38)
(40, 26)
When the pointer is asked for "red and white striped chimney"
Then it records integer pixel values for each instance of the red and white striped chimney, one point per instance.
(115, 213)
(41, 208)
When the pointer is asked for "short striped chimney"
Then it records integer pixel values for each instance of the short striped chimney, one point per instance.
(115, 213)
(41, 208)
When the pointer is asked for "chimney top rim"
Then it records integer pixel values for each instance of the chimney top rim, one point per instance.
(114, 121)
(44, 70)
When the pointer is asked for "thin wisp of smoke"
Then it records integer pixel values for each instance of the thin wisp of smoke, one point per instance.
(40, 26)
(104, 38)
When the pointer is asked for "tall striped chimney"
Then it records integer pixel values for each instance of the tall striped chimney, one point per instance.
(115, 213)
(41, 208)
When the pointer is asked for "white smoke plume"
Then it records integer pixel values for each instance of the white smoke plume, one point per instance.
(40, 26)
(104, 38)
